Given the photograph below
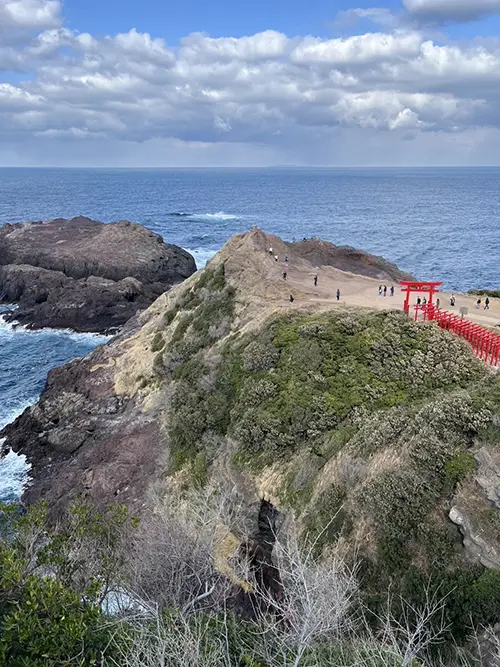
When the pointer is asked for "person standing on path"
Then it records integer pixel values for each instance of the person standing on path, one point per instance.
(438, 302)
(487, 303)
(478, 304)
(315, 281)
(452, 300)
(284, 275)
(291, 298)
(385, 290)
(380, 290)
(276, 258)
(392, 290)
(338, 295)
(286, 261)
(419, 301)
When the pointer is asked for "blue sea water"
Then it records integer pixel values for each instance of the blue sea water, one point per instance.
(439, 224)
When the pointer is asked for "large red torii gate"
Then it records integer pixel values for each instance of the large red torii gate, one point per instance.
(416, 287)
(484, 341)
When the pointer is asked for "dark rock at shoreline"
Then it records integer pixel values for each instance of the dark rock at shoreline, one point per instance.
(84, 439)
(85, 275)
(345, 258)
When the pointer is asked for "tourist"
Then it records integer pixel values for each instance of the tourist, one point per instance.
(286, 261)
(291, 299)
(385, 290)
(271, 251)
(284, 275)
(452, 300)
(437, 303)
(478, 303)
(424, 302)
(338, 295)
(419, 301)
(392, 290)
(276, 258)
(315, 281)
(380, 290)
(487, 303)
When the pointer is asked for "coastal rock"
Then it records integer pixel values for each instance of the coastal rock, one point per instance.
(475, 510)
(346, 258)
(85, 275)
(84, 439)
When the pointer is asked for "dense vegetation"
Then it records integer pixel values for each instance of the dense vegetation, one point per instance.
(370, 419)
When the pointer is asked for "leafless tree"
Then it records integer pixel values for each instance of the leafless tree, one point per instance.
(318, 596)
(172, 558)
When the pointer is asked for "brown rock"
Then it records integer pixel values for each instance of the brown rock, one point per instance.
(85, 275)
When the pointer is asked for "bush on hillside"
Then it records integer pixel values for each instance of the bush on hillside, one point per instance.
(52, 585)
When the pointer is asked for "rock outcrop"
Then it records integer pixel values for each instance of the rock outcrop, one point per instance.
(476, 510)
(85, 275)
(346, 258)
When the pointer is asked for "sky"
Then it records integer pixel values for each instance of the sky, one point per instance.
(197, 83)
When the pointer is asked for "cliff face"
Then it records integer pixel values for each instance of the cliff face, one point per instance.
(85, 275)
(371, 429)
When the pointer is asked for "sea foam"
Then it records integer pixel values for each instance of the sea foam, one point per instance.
(219, 215)
(201, 256)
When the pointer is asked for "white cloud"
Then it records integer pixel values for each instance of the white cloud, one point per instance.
(444, 11)
(19, 17)
(285, 97)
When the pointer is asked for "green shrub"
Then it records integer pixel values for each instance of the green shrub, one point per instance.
(52, 583)
(458, 468)
(494, 293)
(158, 342)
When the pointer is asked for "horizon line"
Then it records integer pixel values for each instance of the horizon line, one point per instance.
(277, 166)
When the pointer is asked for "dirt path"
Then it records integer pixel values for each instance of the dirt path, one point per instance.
(357, 290)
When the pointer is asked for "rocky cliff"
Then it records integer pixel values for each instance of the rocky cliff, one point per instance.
(84, 275)
(371, 429)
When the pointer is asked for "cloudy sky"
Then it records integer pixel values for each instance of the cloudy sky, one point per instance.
(270, 82)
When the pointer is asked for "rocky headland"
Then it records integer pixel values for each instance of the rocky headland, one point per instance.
(370, 429)
(85, 275)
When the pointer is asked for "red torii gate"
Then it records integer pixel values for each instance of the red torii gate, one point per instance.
(484, 341)
(416, 287)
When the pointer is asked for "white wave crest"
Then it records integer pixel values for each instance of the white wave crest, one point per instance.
(13, 328)
(14, 475)
(220, 215)
(201, 256)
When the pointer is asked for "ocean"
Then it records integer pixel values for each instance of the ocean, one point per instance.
(439, 224)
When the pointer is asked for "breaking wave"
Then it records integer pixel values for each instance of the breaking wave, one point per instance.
(14, 475)
(201, 256)
(13, 328)
(27, 356)
(220, 215)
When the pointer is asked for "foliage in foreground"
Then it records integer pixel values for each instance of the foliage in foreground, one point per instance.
(53, 583)
(55, 580)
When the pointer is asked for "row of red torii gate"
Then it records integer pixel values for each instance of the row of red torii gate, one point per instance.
(484, 341)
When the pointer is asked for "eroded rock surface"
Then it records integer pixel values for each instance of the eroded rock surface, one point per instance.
(475, 511)
(85, 275)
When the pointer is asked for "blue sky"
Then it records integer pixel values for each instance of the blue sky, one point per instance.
(219, 18)
(150, 83)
